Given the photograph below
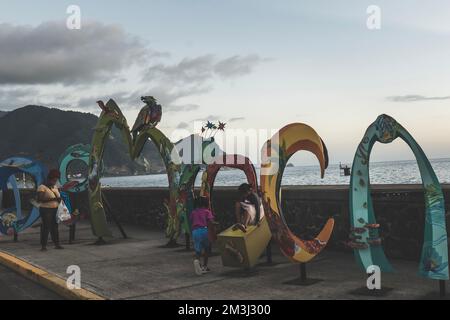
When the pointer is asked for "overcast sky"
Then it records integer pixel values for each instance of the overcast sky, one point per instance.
(255, 64)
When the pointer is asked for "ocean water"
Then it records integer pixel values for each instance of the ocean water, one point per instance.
(392, 172)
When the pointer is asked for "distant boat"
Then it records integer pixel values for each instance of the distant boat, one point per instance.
(290, 165)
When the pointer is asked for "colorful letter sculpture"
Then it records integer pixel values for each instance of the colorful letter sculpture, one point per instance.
(238, 249)
(78, 152)
(143, 129)
(12, 220)
(190, 169)
(185, 201)
(228, 161)
(276, 154)
(365, 236)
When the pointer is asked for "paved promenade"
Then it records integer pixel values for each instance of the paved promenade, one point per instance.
(140, 268)
(16, 287)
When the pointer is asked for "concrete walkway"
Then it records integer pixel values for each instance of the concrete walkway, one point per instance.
(140, 268)
(16, 287)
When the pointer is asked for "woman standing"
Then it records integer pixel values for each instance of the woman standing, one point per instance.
(49, 198)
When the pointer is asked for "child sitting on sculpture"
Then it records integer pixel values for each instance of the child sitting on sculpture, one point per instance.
(248, 209)
(201, 217)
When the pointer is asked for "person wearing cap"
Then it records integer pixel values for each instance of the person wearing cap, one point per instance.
(49, 199)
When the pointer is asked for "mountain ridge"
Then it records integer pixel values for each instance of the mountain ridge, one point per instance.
(43, 133)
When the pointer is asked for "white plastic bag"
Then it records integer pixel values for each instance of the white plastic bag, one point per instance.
(63, 213)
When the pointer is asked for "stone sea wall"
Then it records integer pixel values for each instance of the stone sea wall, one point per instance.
(399, 209)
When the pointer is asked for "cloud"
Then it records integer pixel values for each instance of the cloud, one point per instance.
(120, 97)
(19, 96)
(168, 94)
(199, 70)
(12, 97)
(167, 97)
(415, 98)
(236, 119)
(193, 76)
(188, 70)
(211, 117)
(131, 100)
(52, 54)
(189, 77)
(48, 64)
(182, 125)
(177, 108)
(237, 65)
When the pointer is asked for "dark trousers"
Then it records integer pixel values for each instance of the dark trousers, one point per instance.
(49, 225)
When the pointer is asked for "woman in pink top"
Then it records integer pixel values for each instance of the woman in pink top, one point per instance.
(201, 216)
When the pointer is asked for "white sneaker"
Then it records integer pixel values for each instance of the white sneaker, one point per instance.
(205, 270)
(198, 268)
